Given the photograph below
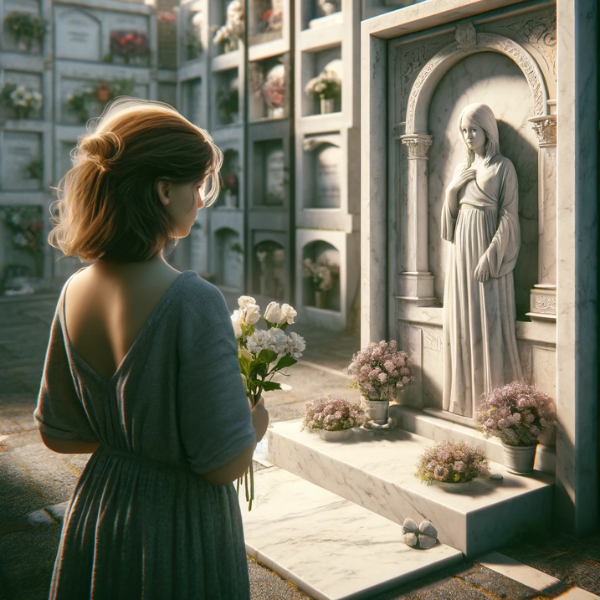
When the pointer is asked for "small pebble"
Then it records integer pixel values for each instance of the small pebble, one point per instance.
(426, 527)
(426, 541)
(410, 539)
(409, 525)
(497, 477)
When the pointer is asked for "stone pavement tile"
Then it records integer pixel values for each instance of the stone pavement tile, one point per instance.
(267, 585)
(497, 585)
(26, 562)
(578, 594)
(575, 561)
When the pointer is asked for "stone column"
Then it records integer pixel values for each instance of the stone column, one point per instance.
(416, 283)
(543, 294)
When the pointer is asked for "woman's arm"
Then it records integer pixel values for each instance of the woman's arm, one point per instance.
(68, 446)
(235, 468)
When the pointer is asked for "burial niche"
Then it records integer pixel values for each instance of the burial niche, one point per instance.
(230, 259)
(321, 276)
(269, 173)
(230, 171)
(323, 157)
(78, 36)
(269, 270)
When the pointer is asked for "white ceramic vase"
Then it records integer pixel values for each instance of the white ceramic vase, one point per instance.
(327, 105)
(335, 436)
(378, 410)
(230, 200)
(519, 459)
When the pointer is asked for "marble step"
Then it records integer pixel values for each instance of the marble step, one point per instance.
(327, 546)
(429, 425)
(376, 470)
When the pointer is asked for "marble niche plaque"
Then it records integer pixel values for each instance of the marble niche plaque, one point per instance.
(20, 151)
(274, 175)
(78, 36)
(327, 186)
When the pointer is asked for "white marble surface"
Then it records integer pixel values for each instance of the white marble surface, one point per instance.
(328, 546)
(579, 594)
(376, 470)
(509, 567)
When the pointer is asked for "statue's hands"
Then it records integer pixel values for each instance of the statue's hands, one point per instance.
(482, 270)
(461, 180)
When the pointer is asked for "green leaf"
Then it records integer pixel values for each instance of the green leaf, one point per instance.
(269, 386)
(266, 356)
(286, 361)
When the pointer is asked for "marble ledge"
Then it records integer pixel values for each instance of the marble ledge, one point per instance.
(534, 331)
(329, 547)
(376, 470)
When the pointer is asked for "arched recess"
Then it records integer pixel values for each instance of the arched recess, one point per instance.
(269, 270)
(321, 264)
(468, 41)
(416, 283)
(230, 259)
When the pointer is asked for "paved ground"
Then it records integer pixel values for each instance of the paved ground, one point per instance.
(35, 484)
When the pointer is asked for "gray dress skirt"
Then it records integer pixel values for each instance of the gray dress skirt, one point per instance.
(142, 522)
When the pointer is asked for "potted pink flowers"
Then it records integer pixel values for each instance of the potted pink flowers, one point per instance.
(451, 462)
(517, 414)
(332, 417)
(380, 370)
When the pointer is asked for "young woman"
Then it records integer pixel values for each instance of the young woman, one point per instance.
(480, 217)
(141, 370)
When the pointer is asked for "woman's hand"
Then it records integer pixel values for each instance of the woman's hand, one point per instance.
(482, 270)
(461, 180)
(260, 419)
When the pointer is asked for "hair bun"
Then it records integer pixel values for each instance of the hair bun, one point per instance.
(102, 148)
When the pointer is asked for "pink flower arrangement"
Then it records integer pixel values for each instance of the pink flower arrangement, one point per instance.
(379, 370)
(332, 414)
(452, 462)
(516, 413)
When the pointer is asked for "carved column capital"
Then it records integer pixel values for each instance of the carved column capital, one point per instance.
(545, 129)
(417, 145)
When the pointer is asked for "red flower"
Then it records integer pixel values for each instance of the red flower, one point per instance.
(267, 15)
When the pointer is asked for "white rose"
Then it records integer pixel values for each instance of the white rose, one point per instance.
(273, 313)
(237, 328)
(252, 313)
(288, 314)
(244, 301)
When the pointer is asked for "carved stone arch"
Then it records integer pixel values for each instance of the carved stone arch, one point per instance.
(468, 42)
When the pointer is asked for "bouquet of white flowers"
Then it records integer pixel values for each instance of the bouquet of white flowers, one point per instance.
(262, 353)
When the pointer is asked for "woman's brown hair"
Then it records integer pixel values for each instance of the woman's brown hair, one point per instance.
(108, 205)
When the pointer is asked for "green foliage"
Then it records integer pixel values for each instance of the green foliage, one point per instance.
(26, 25)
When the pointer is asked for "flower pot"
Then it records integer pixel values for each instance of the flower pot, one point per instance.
(519, 459)
(276, 113)
(230, 200)
(320, 299)
(378, 410)
(335, 436)
(327, 105)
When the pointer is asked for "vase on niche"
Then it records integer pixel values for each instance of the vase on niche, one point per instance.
(275, 113)
(327, 105)
(230, 200)
(321, 299)
(378, 410)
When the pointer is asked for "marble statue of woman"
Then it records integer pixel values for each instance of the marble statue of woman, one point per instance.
(480, 218)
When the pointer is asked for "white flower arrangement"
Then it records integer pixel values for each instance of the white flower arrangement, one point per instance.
(233, 30)
(326, 86)
(21, 99)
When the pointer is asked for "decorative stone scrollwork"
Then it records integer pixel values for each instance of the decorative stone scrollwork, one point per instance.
(417, 145)
(545, 129)
(541, 304)
(469, 43)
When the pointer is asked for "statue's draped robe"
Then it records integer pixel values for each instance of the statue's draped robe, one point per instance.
(480, 346)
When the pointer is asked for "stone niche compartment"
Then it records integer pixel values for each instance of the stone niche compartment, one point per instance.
(65, 163)
(230, 186)
(230, 259)
(266, 21)
(226, 99)
(128, 39)
(230, 32)
(77, 35)
(33, 82)
(321, 171)
(321, 276)
(192, 100)
(193, 19)
(269, 88)
(21, 161)
(320, 13)
(313, 64)
(269, 267)
(270, 167)
(9, 41)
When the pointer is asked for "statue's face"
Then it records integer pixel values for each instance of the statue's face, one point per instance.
(473, 135)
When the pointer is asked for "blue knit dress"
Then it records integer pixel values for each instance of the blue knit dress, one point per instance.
(142, 522)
